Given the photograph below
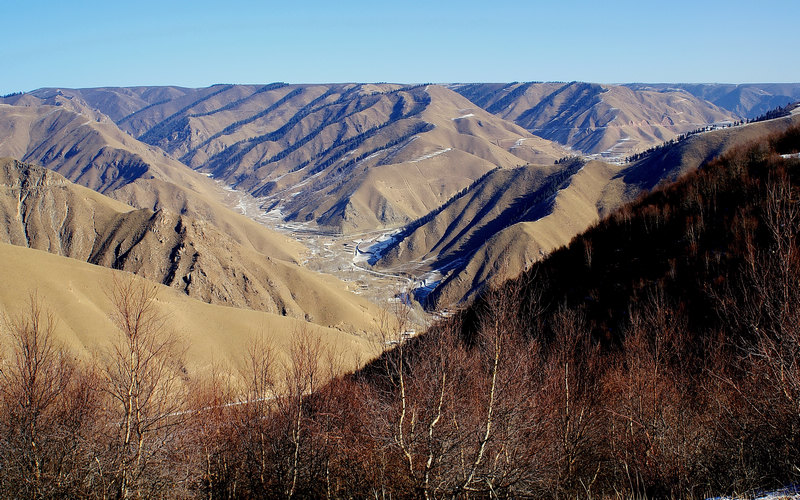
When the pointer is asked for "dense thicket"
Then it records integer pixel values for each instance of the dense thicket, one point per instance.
(658, 354)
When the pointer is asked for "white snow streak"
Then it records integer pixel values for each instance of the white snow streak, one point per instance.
(430, 155)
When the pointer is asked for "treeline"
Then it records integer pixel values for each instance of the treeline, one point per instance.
(657, 355)
(680, 138)
(567, 159)
(176, 121)
(772, 114)
(778, 112)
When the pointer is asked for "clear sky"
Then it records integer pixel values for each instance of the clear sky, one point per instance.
(102, 43)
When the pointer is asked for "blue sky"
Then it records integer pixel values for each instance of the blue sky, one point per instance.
(198, 43)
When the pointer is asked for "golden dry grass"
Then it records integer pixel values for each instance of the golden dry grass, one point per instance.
(76, 293)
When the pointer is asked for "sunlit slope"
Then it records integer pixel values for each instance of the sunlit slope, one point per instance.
(503, 223)
(592, 192)
(594, 118)
(98, 155)
(512, 218)
(42, 210)
(346, 156)
(214, 337)
(692, 152)
(749, 100)
(502, 198)
(579, 203)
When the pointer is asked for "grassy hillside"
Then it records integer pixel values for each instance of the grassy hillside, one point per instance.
(98, 155)
(510, 219)
(42, 210)
(351, 157)
(76, 293)
(748, 100)
(656, 355)
(612, 120)
(571, 206)
(674, 160)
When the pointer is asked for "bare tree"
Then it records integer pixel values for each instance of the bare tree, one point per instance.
(46, 407)
(570, 387)
(774, 280)
(208, 436)
(142, 378)
(302, 377)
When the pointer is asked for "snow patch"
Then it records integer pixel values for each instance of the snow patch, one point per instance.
(430, 155)
(427, 284)
(373, 155)
(372, 253)
(519, 143)
(788, 493)
(463, 116)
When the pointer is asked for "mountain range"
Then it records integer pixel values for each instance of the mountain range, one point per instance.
(474, 181)
(526, 289)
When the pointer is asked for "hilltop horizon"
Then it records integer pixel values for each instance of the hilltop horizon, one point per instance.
(196, 44)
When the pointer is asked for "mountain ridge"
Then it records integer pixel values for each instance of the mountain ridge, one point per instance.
(268, 140)
(610, 120)
(45, 211)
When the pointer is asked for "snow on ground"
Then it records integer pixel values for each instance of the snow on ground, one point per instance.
(430, 155)
(426, 284)
(347, 257)
(615, 154)
(787, 493)
(375, 251)
(463, 116)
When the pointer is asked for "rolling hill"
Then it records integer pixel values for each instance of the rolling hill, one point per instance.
(501, 225)
(749, 100)
(93, 152)
(610, 120)
(511, 218)
(215, 337)
(348, 156)
(359, 157)
(44, 211)
(694, 151)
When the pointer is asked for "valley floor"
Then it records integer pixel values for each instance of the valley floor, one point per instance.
(345, 256)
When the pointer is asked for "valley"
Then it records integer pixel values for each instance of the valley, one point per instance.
(533, 211)
(408, 193)
(328, 251)
(345, 258)
(426, 250)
